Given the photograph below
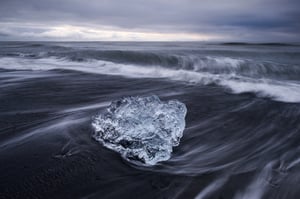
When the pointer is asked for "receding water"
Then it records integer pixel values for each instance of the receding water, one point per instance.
(242, 127)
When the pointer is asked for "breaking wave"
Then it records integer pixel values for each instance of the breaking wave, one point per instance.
(233, 74)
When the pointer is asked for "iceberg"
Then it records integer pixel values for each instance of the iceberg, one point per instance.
(142, 129)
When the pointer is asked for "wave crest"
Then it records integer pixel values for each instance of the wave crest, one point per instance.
(280, 90)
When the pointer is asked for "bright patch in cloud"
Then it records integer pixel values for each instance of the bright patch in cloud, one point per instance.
(82, 33)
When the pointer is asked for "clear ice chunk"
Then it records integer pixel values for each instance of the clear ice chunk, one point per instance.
(141, 129)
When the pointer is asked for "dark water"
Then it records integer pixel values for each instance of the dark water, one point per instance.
(242, 131)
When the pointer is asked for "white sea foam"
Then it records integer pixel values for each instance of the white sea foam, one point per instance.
(87, 107)
(285, 91)
(277, 90)
(211, 188)
(226, 61)
(259, 185)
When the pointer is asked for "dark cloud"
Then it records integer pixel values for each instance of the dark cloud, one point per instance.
(277, 19)
(3, 34)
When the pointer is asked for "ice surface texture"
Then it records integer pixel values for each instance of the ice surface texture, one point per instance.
(141, 129)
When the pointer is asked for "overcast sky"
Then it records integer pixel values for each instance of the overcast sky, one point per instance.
(151, 20)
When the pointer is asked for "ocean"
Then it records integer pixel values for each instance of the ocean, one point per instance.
(242, 124)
